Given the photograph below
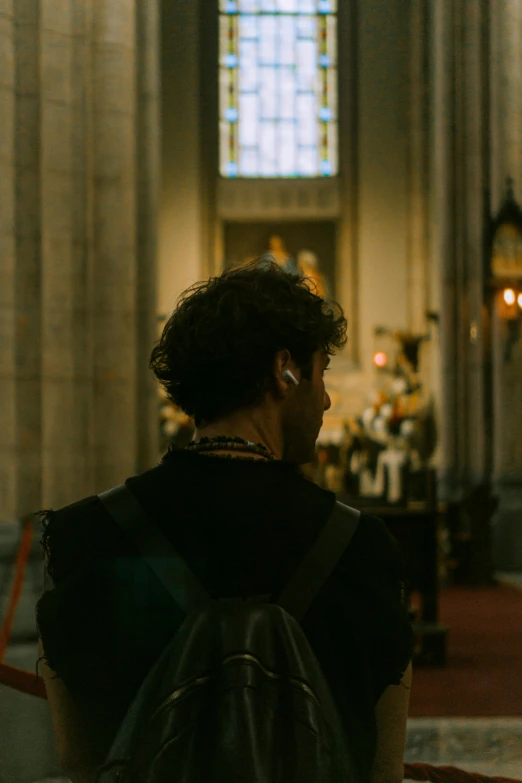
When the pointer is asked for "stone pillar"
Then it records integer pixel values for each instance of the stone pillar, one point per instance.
(506, 161)
(79, 157)
(382, 170)
(61, 445)
(460, 176)
(82, 237)
(347, 268)
(418, 165)
(506, 99)
(181, 244)
(8, 312)
(507, 439)
(148, 177)
(27, 453)
(115, 240)
(422, 295)
(472, 153)
(443, 233)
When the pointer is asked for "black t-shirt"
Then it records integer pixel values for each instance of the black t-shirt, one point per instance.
(243, 526)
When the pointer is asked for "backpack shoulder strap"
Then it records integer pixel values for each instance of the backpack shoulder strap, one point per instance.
(320, 560)
(155, 548)
(185, 587)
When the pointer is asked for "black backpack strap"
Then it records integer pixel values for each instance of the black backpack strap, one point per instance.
(185, 587)
(155, 548)
(320, 561)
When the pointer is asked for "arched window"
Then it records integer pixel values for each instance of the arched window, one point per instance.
(278, 88)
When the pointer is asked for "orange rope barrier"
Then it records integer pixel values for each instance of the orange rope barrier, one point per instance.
(16, 591)
(21, 680)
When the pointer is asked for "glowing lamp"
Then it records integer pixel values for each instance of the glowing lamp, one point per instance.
(380, 359)
(520, 301)
(509, 296)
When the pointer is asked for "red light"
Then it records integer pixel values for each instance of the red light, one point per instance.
(380, 359)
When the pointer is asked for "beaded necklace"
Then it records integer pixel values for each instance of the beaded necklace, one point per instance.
(222, 443)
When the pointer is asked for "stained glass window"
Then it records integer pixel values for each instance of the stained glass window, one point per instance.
(278, 88)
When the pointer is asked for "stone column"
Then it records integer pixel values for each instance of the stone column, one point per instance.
(79, 157)
(115, 240)
(506, 99)
(181, 243)
(7, 264)
(421, 294)
(347, 265)
(472, 179)
(62, 464)
(27, 454)
(148, 178)
(82, 237)
(460, 175)
(418, 165)
(507, 453)
(443, 234)
(506, 161)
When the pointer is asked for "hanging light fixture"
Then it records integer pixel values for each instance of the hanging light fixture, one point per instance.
(505, 266)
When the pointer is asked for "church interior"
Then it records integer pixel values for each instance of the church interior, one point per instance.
(373, 146)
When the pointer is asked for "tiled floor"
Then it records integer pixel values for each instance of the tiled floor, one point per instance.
(489, 746)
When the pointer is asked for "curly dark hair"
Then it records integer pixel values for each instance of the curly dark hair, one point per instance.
(217, 349)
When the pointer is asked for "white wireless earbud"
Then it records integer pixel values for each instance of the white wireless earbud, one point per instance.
(289, 376)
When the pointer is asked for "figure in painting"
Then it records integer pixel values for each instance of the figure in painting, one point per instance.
(308, 266)
(278, 252)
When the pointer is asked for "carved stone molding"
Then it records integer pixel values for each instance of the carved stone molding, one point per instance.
(294, 199)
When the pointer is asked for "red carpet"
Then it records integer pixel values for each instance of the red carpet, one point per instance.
(483, 674)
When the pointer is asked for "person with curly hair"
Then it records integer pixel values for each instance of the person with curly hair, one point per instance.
(225, 354)
(244, 354)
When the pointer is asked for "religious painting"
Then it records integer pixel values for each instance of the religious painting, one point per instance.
(278, 88)
(307, 249)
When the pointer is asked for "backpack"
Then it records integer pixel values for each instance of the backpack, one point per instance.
(237, 695)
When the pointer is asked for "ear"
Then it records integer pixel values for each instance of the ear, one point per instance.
(282, 362)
